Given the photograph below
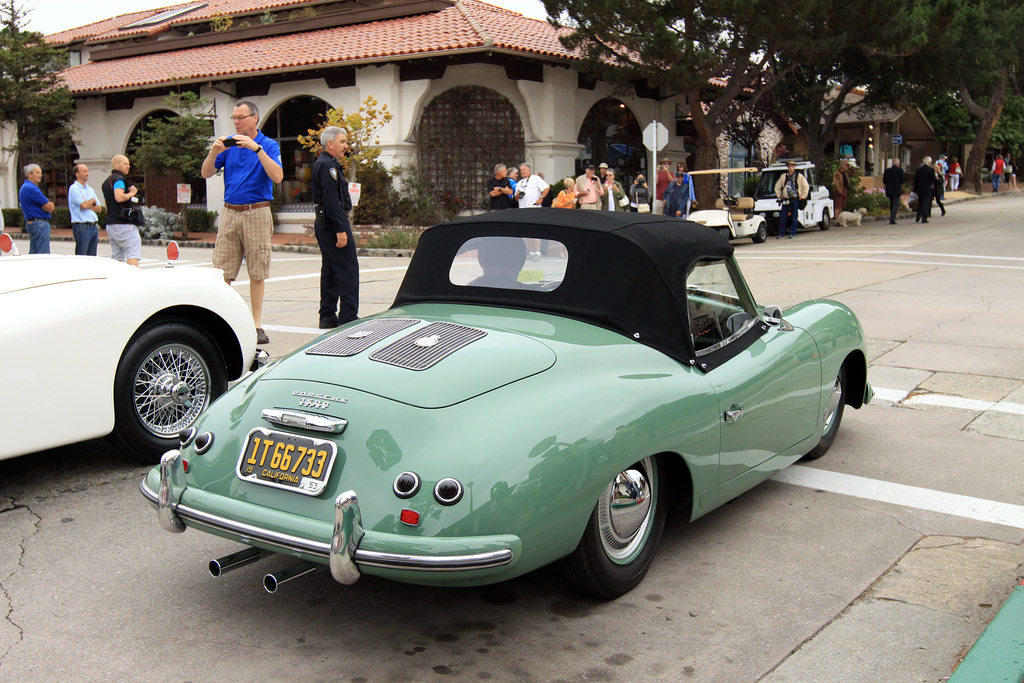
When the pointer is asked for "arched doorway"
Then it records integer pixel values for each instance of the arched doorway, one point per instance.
(157, 188)
(285, 124)
(611, 134)
(462, 134)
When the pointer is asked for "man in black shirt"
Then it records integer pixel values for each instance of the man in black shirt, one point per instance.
(499, 189)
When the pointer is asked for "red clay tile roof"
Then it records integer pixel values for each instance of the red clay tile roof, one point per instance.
(106, 26)
(467, 26)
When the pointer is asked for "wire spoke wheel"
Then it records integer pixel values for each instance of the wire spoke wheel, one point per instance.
(171, 388)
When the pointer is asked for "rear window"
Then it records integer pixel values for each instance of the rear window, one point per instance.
(509, 263)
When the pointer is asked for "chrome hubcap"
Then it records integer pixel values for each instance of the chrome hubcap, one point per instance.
(624, 512)
(833, 404)
(171, 388)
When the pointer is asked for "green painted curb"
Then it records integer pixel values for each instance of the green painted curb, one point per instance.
(998, 655)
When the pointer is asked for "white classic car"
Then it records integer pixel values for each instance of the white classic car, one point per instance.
(92, 347)
(733, 219)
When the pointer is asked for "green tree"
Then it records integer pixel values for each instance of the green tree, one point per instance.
(721, 54)
(861, 52)
(177, 145)
(980, 59)
(32, 97)
(362, 130)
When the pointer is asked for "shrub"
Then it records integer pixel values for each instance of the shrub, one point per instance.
(200, 220)
(378, 198)
(160, 224)
(60, 217)
(395, 238)
(874, 200)
(13, 218)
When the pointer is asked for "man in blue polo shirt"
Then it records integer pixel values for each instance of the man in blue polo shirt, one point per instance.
(252, 164)
(85, 209)
(36, 208)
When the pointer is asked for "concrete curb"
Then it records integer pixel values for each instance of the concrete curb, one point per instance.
(998, 654)
(204, 244)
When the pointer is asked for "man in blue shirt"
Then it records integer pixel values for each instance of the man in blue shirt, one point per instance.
(85, 208)
(252, 164)
(36, 208)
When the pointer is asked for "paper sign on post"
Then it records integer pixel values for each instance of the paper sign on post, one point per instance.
(184, 193)
(353, 191)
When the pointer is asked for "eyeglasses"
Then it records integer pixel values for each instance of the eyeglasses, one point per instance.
(236, 119)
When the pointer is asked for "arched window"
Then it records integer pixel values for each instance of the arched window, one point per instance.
(285, 124)
(463, 133)
(610, 134)
(158, 189)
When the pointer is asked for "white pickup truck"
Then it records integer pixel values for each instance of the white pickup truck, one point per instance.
(817, 212)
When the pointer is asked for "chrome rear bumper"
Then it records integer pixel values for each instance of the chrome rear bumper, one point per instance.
(343, 554)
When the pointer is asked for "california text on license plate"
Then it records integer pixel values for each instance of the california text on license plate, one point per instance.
(287, 461)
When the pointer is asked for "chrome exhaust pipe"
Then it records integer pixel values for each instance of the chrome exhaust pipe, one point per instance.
(272, 581)
(237, 560)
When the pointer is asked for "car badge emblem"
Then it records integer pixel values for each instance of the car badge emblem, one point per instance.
(360, 334)
(427, 342)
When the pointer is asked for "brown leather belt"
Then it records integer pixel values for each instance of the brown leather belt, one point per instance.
(246, 207)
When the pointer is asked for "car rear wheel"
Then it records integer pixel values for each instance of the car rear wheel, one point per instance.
(168, 375)
(622, 535)
(826, 220)
(831, 417)
(761, 235)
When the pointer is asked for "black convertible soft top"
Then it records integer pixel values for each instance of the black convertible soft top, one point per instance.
(626, 271)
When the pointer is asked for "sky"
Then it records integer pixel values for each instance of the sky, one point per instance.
(52, 16)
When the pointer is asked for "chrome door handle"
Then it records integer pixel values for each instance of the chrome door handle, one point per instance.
(734, 413)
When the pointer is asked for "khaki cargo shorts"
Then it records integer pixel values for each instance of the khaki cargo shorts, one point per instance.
(244, 234)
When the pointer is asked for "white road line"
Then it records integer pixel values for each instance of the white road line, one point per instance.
(238, 283)
(908, 496)
(927, 253)
(293, 329)
(783, 257)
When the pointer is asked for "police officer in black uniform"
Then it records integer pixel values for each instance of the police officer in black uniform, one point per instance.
(339, 272)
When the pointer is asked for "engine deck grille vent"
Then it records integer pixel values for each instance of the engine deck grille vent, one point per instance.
(428, 346)
(361, 337)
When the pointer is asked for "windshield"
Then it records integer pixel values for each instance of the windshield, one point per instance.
(766, 186)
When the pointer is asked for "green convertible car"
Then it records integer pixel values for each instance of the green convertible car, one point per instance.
(546, 382)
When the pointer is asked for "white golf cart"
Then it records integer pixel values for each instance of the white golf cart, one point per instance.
(818, 210)
(732, 218)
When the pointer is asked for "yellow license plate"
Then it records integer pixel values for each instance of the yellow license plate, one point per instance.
(287, 461)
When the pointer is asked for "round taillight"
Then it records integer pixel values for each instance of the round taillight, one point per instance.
(203, 442)
(448, 491)
(407, 485)
(185, 436)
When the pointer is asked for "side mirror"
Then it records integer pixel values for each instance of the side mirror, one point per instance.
(172, 253)
(773, 317)
(7, 245)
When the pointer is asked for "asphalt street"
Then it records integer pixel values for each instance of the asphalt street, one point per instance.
(882, 561)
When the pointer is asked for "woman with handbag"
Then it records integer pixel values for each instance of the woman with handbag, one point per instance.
(617, 199)
(640, 195)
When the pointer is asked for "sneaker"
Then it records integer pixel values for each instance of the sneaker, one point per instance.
(261, 336)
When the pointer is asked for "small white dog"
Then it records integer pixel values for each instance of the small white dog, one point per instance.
(851, 217)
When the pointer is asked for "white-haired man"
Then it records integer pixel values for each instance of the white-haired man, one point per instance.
(339, 269)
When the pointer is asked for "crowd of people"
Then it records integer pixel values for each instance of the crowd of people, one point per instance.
(598, 189)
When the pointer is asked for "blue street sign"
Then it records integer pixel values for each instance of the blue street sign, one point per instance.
(897, 139)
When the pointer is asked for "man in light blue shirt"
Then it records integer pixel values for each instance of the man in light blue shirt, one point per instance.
(85, 208)
(36, 208)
